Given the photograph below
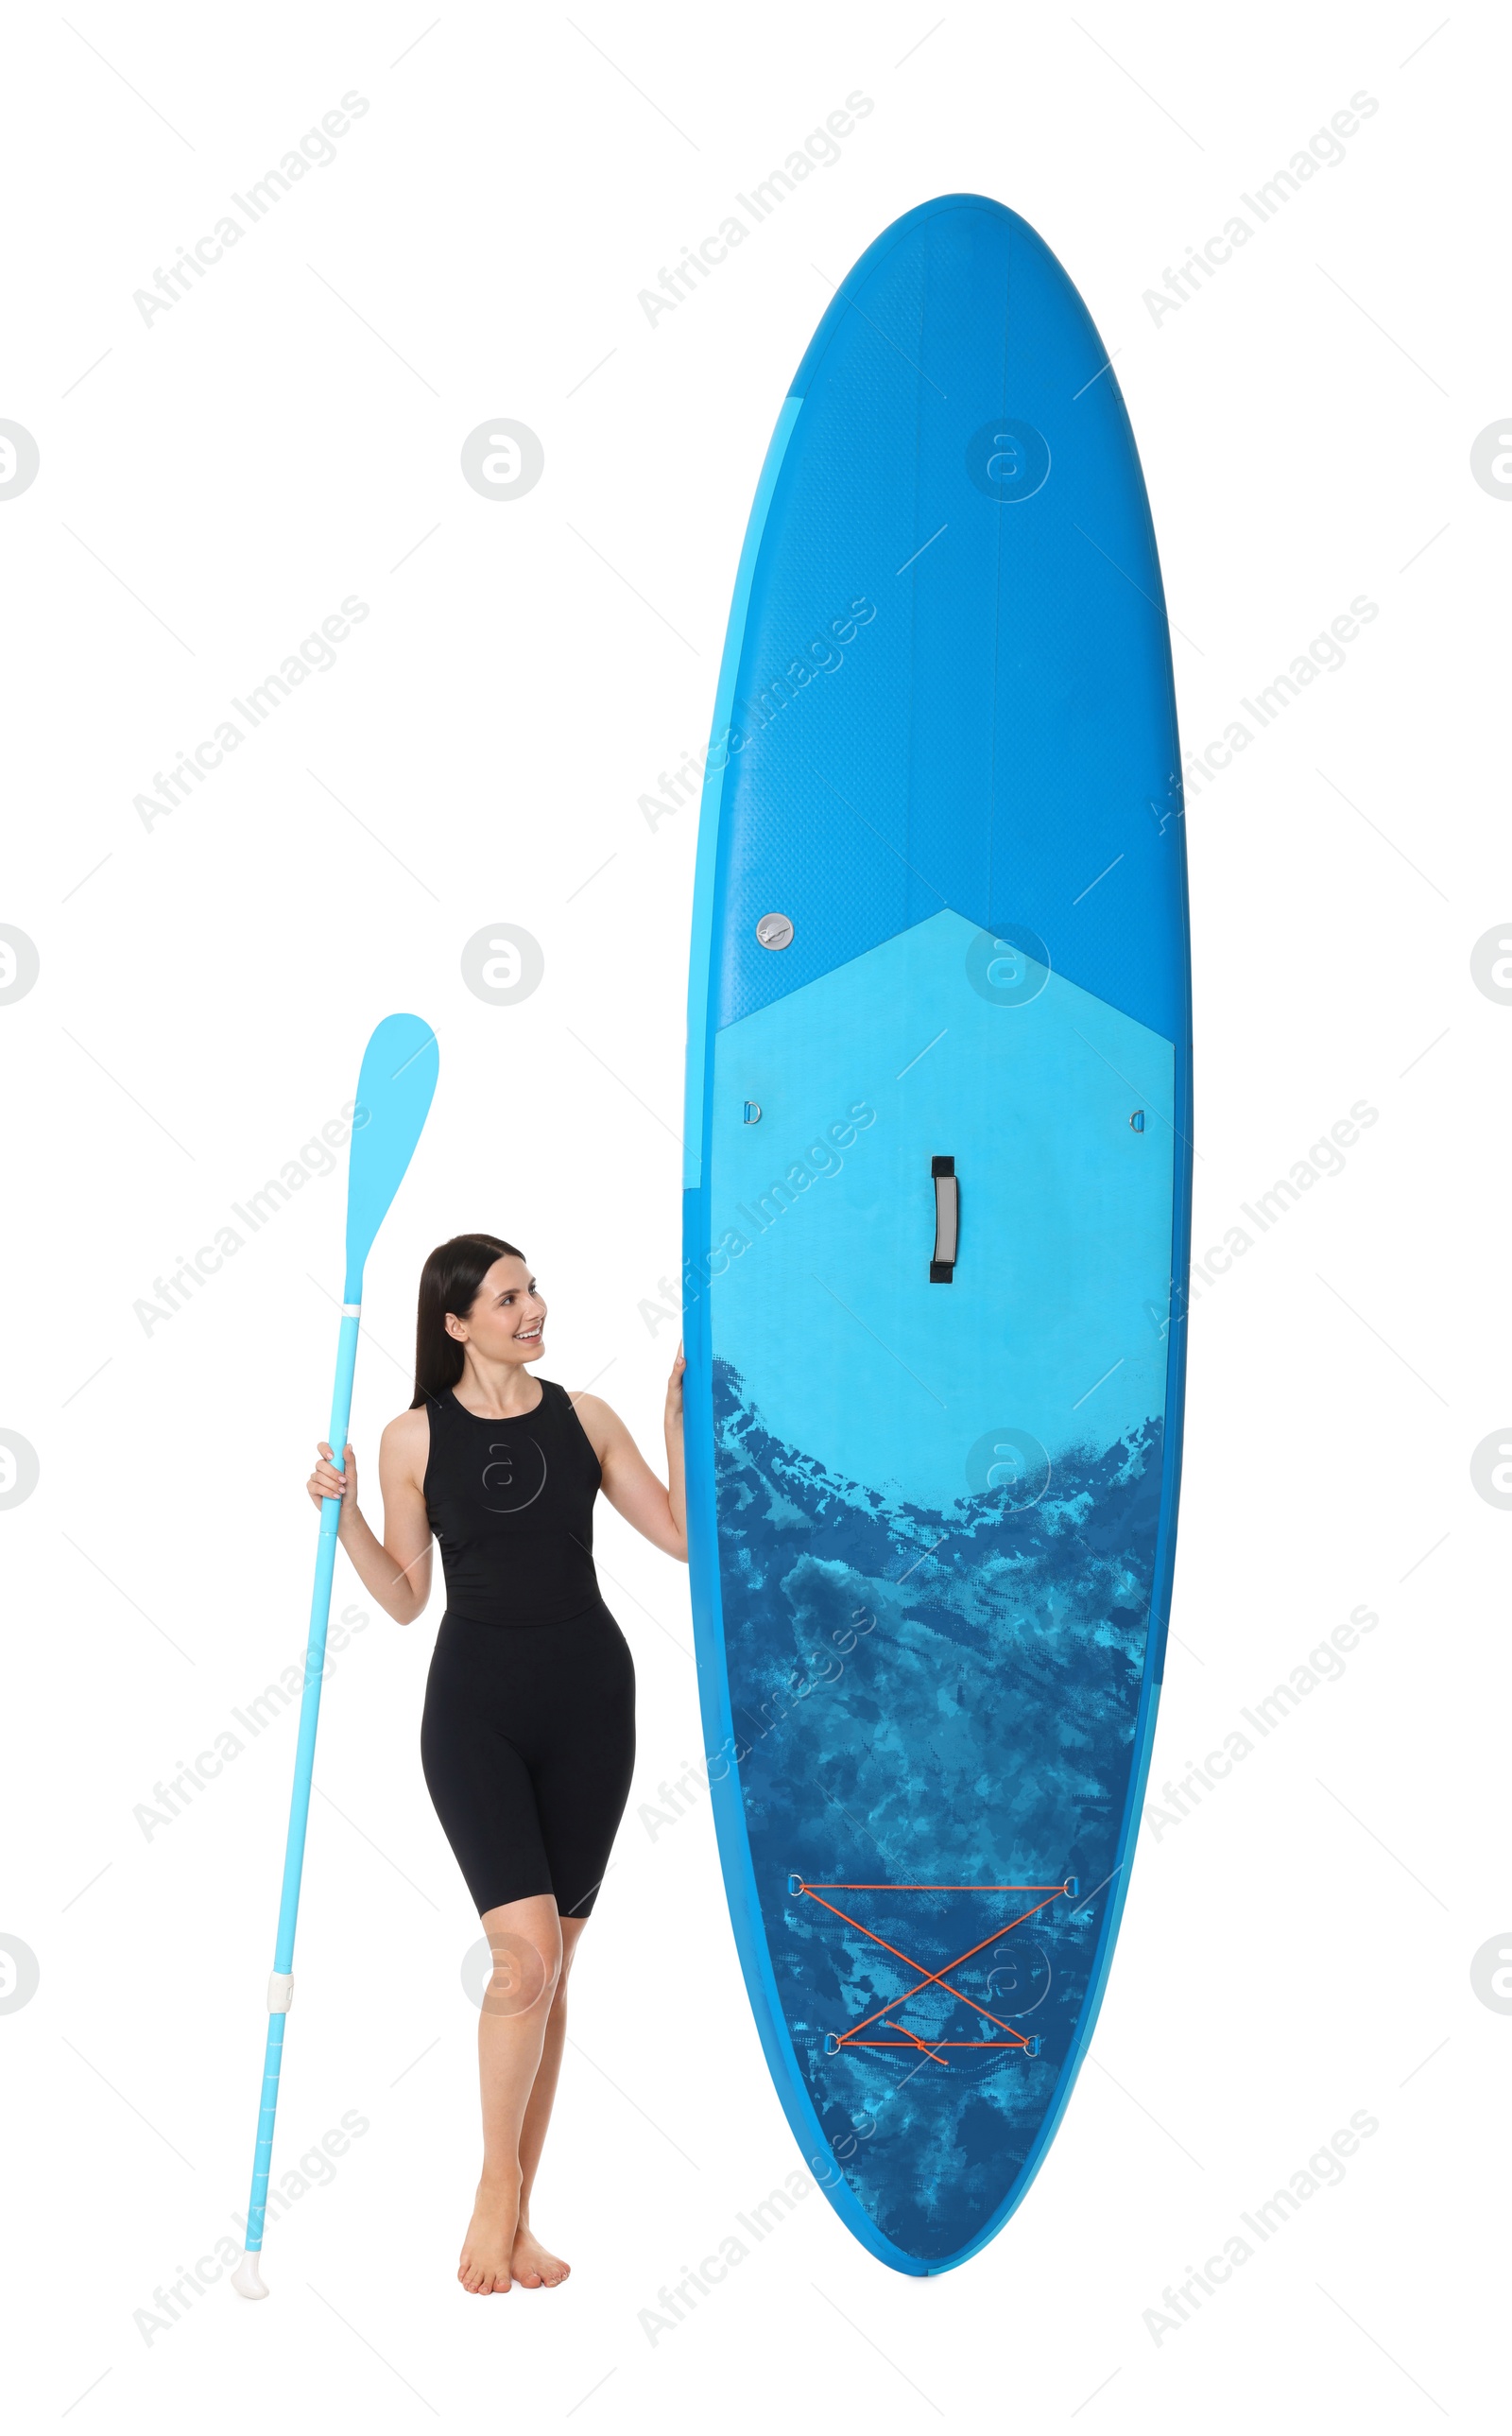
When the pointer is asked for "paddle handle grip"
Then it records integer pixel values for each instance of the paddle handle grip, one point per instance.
(298, 1810)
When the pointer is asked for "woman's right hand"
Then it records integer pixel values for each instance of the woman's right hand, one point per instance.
(325, 1481)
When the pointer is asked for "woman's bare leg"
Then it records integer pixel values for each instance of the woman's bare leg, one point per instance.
(526, 1940)
(532, 2264)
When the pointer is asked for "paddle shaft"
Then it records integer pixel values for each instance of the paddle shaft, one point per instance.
(298, 1810)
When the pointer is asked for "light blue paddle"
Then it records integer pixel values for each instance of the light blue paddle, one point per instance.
(394, 1091)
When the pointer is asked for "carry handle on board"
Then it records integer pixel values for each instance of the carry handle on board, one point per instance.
(946, 1221)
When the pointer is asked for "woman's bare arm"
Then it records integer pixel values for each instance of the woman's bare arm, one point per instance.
(394, 1570)
(658, 1512)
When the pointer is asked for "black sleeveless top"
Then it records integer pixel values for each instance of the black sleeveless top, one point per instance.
(511, 1504)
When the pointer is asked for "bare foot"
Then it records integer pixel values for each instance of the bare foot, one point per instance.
(484, 2265)
(534, 2266)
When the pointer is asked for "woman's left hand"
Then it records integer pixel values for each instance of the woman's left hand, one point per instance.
(674, 1388)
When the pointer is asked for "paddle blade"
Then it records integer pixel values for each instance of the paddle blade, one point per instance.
(394, 1092)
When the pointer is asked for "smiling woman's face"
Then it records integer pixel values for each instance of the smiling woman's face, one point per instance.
(508, 1318)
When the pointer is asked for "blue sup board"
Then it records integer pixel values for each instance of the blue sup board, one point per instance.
(936, 1222)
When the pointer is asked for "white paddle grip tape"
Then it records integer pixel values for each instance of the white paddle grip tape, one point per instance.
(351, 1311)
(280, 1990)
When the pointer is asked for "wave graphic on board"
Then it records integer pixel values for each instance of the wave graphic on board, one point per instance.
(933, 1700)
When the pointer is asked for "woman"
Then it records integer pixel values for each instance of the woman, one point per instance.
(529, 1734)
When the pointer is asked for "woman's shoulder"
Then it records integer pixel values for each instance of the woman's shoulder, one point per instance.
(407, 1438)
(598, 1420)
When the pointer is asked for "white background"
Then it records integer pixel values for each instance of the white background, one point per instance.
(211, 487)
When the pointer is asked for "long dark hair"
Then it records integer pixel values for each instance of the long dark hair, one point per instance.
(450, 1281)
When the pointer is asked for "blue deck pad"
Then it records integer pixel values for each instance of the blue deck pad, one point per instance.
(1056, 1324)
